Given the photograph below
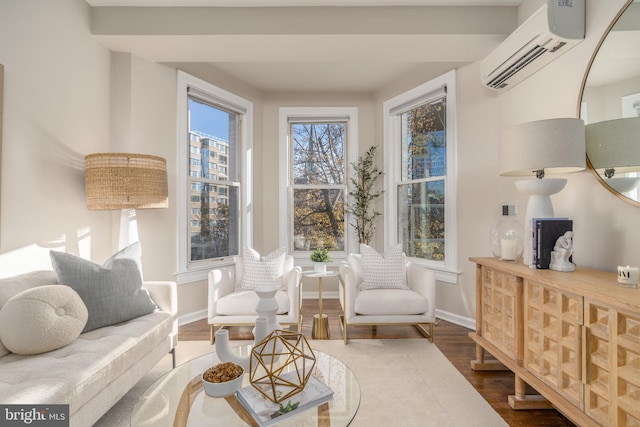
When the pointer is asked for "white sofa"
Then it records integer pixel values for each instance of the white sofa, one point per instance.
(99, 367)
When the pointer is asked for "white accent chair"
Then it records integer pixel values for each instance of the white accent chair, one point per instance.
(231, 306)
(413, 306)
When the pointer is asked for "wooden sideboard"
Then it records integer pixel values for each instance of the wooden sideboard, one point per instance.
(572, 336)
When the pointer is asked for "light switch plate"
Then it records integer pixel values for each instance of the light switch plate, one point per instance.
(509, 210)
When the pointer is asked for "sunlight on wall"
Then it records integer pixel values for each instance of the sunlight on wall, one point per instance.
(36, 256)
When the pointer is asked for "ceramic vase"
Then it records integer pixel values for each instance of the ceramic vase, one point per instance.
(320, 267)
(266, 323)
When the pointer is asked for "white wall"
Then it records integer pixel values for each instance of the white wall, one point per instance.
(59, 88)
(56, 110)
(606, 231)
(604, 225)
(67, 96)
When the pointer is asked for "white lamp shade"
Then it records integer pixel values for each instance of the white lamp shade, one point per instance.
(554, 145)
(623, 184)
(614, 144)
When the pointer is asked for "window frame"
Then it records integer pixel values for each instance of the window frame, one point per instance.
(285, 176)
(447, 270)
(192, 271)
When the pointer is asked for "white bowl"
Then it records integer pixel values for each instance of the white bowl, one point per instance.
(222, 389)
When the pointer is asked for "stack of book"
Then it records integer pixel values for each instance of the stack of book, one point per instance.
(266, 413)
(545, 233)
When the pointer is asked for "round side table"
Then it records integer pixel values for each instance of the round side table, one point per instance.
(320, 330)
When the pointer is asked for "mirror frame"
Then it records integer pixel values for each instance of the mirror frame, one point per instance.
(584, 83)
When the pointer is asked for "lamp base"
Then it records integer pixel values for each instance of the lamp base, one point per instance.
(538, 206)
(128, 228)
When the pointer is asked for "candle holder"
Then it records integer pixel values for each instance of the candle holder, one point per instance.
(507, 240)
(628, 276)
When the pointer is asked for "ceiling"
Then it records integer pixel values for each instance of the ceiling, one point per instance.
(280, 3)
(308, 45)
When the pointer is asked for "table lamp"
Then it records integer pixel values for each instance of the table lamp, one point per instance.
(126, 181)
(538, 148)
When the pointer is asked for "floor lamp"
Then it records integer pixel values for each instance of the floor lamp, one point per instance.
(538, 148)
(126, 181)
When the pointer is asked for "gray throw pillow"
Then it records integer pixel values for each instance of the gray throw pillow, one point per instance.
(112, 294)
(133, 251)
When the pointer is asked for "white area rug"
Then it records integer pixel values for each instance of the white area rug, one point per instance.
(403, 383)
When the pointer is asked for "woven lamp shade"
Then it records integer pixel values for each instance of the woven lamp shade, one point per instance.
(125, 181)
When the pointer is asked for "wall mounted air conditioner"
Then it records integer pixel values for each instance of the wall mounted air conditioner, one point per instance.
(548, 33)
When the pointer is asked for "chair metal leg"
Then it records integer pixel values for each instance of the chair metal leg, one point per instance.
(427, 333)
(173, 357)
(212, 337)
(343, 327)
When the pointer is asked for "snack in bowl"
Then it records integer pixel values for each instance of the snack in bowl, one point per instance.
(222, 379)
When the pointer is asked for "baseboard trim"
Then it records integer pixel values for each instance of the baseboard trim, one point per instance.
(440, 314)
(325, 295)
(185, 319)
(456, 319)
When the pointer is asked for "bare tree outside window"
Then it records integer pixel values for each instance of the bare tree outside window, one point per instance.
(318, 185)
(421, 193)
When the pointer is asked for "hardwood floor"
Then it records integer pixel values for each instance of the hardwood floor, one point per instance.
(452, 340)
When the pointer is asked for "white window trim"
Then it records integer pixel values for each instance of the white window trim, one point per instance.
(192, 272)
(286, 191)
(446, 271)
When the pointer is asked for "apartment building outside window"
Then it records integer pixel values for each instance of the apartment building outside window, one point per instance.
(420, 174)
(214, 220)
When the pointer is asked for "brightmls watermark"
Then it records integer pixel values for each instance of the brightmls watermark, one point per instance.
(34, 415)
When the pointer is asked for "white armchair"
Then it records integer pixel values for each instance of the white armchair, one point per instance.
(413, 306)
(229, 305)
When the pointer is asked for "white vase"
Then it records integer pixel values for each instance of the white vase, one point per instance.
(227, 354)
(267, 308)
(320, 267)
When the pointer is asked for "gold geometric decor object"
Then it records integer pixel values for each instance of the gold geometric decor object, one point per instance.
(281, 365)
(125, 181)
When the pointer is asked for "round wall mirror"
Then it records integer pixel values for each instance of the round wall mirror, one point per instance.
(610, 106)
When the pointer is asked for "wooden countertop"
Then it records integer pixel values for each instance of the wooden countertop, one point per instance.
(595, 284)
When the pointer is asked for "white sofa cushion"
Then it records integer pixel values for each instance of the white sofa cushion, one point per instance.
(244, 303)
(14, 285)
(262, 272)
(76, 373)
(49, 317)
(382, 271)
(390, 302)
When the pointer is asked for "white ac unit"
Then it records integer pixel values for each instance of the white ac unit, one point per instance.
(548, 33)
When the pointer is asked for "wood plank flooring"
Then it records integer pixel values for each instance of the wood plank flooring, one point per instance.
(452, 340)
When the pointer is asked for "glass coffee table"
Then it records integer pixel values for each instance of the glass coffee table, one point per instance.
(178, 399)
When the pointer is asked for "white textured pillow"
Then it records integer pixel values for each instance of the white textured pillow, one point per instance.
(42, 319)
(14, 285)
(262, 272)
(382, 271)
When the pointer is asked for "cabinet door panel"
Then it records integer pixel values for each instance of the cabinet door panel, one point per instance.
(627, 376)
(498, 310)
(612, 386)
(553, 339)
